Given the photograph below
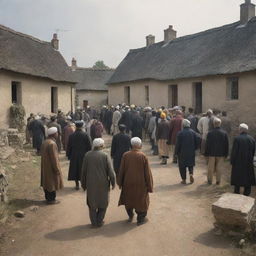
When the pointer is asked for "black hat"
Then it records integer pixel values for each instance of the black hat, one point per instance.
(79, 123)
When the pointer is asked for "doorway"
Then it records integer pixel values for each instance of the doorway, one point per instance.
(127, 95)
(173, 95)
(54, 99)
(198, 97)
(16, 93)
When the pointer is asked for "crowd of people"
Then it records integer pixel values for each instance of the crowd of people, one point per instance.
(171, 132)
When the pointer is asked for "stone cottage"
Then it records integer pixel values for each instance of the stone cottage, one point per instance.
(211, 69)
(33, 73)
(91, 88)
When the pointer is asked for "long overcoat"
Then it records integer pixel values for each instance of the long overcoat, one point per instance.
(97, 175)
(137, 126)
(121, 143)
(38, 133)
(175, 128)
(51, 176)
(242, 161)
(56, 125)
(186, 144)
(79, 144)
(136, 181)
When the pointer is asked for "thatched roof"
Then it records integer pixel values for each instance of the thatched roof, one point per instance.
(28, 55)
(92, 79)
(224, 50)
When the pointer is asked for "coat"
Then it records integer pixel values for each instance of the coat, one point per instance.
(163, 130)
(137, 125)
(79, 144)
(203, 126)
(217, 143)
(51, 176)
(186, 145)
(121, 143)
(242, 161)
(175, 127)
(56, 125)
(68, 130)
(126, 119)
(96, 129)
(135, 180)
(38, 133)
(115, 120)
(97, 174)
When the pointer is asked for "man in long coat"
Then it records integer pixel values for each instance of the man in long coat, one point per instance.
(126, 119)
(97, 175)
(53, 123)
(68, 130)
(137, 125)
(79, 144)
(51, 176)
(37, 129)
(162, 135)
(136, 182)
(242, 161)
(115, 120)
(121, 143)
(217, 148)
(175, 128)
(186, 145)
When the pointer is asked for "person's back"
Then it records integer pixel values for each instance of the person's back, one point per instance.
(217, 143)
(163, 130)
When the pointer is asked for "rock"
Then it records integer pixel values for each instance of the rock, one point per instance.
(34, 161)
(19, 214)
(234, 212)
(34, 208)
(218, 232)
(242, 243)
(14, 167)
(6, 152)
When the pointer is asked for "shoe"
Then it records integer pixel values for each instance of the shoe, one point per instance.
(53, 202)
(184, 182)
(192, 179)
(217, 183)
(139, 223)
(100, 224)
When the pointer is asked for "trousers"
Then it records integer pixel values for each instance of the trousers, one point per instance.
(183, 172)
(247, 190)
(214, 166)
(50, 196)
(140, 215)
(97, 215)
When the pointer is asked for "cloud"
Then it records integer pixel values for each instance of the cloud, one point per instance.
(107, 29)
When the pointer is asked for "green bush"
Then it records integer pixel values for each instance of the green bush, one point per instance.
(17, 117)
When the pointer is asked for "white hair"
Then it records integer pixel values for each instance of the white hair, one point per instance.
(99, 142)
(216, 122)
(136, 141)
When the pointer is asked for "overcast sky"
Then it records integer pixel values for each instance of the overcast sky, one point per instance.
(92, 30)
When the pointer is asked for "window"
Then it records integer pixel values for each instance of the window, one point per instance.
(146, 95)
(54, 99)
(16, 93)
(233, 88)
(127, 95)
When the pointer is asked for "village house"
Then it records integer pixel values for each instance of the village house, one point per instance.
(91, 88)
(33, 73)
(212, 69)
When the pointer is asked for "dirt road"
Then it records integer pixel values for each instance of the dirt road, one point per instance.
(180, 223)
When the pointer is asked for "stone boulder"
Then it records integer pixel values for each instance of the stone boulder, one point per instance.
(234, 212)
(16, 139)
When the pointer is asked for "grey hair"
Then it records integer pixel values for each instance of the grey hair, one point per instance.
(217, 122)
(186, 123)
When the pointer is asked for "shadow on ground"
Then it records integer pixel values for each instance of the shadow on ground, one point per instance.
(209, 239)
(85, 231)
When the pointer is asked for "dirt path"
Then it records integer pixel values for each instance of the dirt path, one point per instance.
(180, 223)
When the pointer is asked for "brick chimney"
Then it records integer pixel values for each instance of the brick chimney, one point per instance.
(247, 11)
(55, 42)
(150, 39)
(169, 34)
(74, 64)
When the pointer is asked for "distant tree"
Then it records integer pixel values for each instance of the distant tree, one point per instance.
(100, 65)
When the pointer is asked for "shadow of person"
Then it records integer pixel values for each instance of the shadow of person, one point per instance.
(211, 240)
(25, 203)
(85, 231)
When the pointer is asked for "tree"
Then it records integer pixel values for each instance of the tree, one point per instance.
(100, 65)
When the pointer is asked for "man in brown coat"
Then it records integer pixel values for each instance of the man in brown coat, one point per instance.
(136, 182)
(51, 176)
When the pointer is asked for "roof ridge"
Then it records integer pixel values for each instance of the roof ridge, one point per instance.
(191, 36)
(22, 34)
(95, 69)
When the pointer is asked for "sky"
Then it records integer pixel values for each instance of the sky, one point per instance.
(92, 30)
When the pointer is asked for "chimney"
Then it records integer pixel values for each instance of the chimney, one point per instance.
(150, 39)
(55, 42)
(247, 11)
(74, 64)
(169, 34)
